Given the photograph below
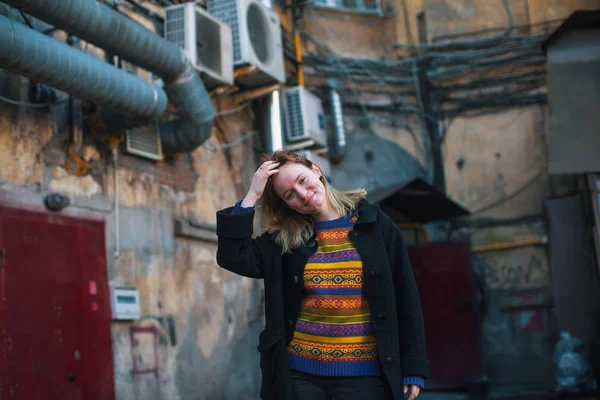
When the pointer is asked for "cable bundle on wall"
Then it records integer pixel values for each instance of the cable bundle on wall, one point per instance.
(468, 77)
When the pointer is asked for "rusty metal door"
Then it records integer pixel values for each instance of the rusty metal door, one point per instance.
(444, 276)
(55, 338)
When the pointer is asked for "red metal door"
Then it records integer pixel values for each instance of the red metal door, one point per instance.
(444, 277)
(51, 315)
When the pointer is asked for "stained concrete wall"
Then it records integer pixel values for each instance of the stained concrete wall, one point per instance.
(495, 166)
(464, 16)
(216, 315)
(350, 34)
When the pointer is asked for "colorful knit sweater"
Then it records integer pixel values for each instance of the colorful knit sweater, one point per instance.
(334, 335)
(365, 358)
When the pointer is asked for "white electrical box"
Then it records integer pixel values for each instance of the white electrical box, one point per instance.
(257, 39)
(304, 117)
(207, 42)
(125, 303)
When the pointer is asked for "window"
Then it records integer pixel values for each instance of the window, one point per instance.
(369, 6)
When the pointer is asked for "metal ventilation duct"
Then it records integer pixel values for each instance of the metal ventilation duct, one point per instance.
(29, 53)
(103, 26)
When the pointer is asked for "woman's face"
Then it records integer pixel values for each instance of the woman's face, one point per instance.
(300, 188)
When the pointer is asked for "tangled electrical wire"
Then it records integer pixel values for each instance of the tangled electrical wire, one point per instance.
(466, 77)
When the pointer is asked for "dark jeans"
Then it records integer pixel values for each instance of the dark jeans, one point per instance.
(315, 387)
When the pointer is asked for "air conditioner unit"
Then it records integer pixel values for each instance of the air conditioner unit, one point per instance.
(257, 39)
(318, 159)
(304, 117)
(207, 42)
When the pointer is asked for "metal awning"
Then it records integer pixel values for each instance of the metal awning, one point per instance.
(417, 200)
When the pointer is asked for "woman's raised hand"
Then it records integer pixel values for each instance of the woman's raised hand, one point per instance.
(259, 181)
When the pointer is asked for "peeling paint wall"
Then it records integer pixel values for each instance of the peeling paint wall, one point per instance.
(495, 166)
(217, 315)
(489, 158)
(351, 34)
(464, 16)
(543, 10)
(210, 350)
(205, 320)
(23, 135)
(214, 311)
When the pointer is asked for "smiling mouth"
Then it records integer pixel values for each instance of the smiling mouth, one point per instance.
(309, 200)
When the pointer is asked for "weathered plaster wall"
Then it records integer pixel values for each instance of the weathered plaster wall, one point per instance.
(451, 17)
(464, 16)
(23, 135)
(406, 26)
(214, 311)
(351, 34)
(368, 36)
(217, 315)
(494, 166)
(543, 10)
(489, 158)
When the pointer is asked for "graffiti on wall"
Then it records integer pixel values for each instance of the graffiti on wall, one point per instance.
(519, 268)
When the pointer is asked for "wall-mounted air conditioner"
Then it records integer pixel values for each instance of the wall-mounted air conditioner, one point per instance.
(207, 42)
(304, 117)
(257, 39)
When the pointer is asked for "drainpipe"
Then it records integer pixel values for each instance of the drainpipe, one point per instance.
(29, 53)
(105, 27)
(337, 143)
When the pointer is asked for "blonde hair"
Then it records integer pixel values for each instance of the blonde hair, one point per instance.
(290, 228)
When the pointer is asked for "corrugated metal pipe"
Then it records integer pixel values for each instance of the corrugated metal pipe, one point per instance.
(29, 53)
(197, 112)
(107, 28)
(337, 142)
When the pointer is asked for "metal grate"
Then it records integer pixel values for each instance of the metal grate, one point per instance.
(145, 142)
(227, 11)
(372, 6)
(293, 114)
(175, 26)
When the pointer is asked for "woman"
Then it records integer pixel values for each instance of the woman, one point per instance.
(343, 315)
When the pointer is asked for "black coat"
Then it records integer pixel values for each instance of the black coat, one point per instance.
(389, 286)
